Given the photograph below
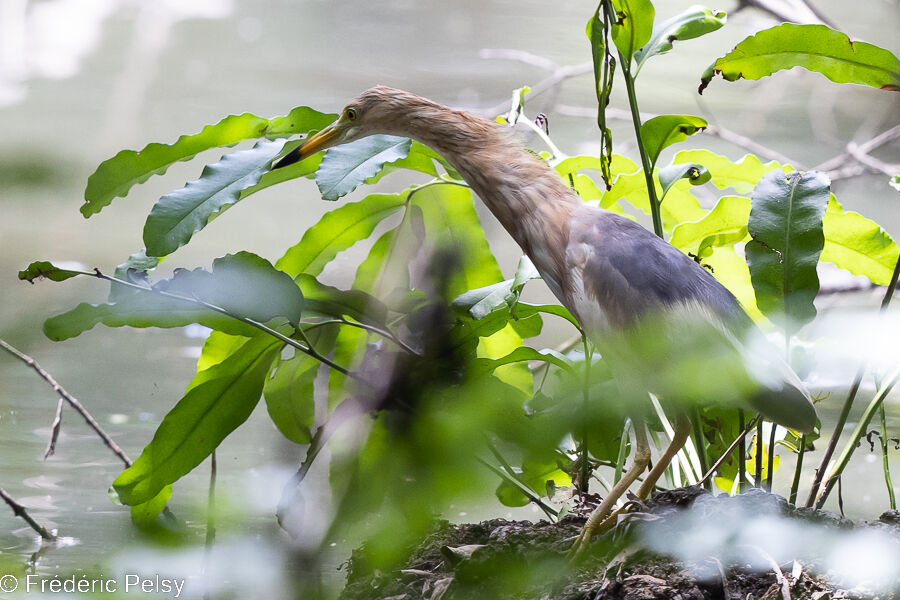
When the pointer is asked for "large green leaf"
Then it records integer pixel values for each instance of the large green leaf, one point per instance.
(244, 284)
(289, 394)
(742, 176)
(338, 230)
(633, 26)
(858, 244)
(786, 227)
(662, 131)
(114, 177)
(347, 166)
(177, 216)
(687, 25)
(724, 225)
(813, 47)
(330, 301)
(217, 401)
(483, 366)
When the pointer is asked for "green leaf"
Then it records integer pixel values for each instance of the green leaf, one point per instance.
(665, 130)
(330, 301)
(695, 173)
(338, 230)
(742, 176)
(786, 227)
(483, 366)
(347, 166)
(680, 205)
(180, 214)
(692, 23)
(724, 225)
(815, 48)
(503, 295)
(289, 394)
(217, 401)
(144, 515)
(305, 168)
(244, 284)
(43, 269)
(858, 244)
(114, 177)
(524, 311)
(633, 26)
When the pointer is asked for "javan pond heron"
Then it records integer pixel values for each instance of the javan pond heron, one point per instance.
(611, 273)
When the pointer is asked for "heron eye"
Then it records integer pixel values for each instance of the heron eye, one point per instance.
(351, 114)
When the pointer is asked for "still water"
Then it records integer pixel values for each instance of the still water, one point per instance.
(80, 80)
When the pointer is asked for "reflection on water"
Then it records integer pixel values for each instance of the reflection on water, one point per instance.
(80, 79)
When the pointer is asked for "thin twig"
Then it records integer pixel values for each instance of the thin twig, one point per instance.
(210, 525)
(55, 428)
(71, 400)
(20, 512)
(728, 451)
(779, 575)
(879, 140)
(782, 13)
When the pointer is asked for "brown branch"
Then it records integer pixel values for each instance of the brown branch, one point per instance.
(71, 400)
(20, 512)
(837, 167)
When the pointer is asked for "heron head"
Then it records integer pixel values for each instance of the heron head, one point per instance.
(373, 111)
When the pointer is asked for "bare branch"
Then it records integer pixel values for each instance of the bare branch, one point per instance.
(797, 12)
(71, 400)
(55, 428)
(20, 512)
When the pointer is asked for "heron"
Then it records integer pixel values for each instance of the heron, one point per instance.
(610, 272)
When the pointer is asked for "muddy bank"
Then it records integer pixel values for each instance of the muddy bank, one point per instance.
(683, 544)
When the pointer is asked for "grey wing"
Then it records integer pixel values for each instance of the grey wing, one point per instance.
(629, 272)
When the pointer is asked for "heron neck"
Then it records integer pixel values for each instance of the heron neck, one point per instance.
(529, 198)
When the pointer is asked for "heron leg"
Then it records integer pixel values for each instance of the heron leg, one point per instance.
(679, 437)
(595, 520)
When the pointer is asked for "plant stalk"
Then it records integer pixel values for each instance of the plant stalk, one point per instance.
(645, 160)
(885, 463)
(795, 484)
(848, 403)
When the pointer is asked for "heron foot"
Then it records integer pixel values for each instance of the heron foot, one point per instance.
(598, 527)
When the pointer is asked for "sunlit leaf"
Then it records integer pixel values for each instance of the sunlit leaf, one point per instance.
(679, 206)
(724, 225)
(114, 177)
(814, 47)
(742, 175)
(633, 26)
(217, 401)
(338, 230)
(858, 244)
(144, 515)
(347, 166)
(177, 216)
(687, 25)
(662, 131)
(786, 227)
(695, 173)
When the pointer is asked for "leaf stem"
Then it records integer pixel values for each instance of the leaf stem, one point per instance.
(289, 341)
(645, 160)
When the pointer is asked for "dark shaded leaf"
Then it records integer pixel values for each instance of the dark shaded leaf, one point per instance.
(177, 216)
(347, 166)
(330, 301)
(696, 173)
(786, 227)
(114, 177)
